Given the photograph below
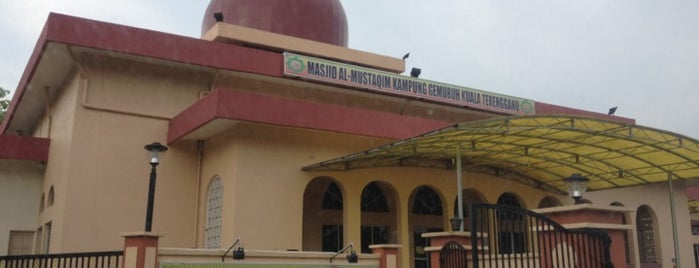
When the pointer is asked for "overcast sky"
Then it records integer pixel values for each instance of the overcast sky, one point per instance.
(639, 55)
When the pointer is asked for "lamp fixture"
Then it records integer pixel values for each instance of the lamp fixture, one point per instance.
(155, 151)
(455, 223)
(238, 253)
(577, 185)
(415, 72)
(351, 258)
(218, 16)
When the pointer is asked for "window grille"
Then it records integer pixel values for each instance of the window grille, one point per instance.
(214, 211)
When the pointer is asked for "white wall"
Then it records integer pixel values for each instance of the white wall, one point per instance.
(20, 192)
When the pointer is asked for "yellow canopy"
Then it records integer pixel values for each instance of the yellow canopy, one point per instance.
(541, 151)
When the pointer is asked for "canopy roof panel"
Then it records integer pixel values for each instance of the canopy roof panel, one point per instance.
(541, 151)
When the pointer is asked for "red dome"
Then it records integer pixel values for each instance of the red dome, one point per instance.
(318, 20)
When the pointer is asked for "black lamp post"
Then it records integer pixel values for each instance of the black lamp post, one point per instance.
(577, 185)
(155, 151)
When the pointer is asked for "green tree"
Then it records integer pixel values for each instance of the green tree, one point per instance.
(4, 103)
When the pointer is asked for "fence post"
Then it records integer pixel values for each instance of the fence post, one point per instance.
(607, 219)
(439, 239)
(389, 255)
(140, 250)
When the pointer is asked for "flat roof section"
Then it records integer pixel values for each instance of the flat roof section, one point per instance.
(230, 33)
(222, 108)
(24, 148)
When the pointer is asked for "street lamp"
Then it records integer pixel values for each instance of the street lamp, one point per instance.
(577, 185)
(155, 152)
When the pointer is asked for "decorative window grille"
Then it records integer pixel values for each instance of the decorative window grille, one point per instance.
(332, 198)
(427, 202)
(373, 199)
(214, 211)
(646, 235)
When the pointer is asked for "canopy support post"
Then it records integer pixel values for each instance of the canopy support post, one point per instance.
(674, 220)
(459, 187)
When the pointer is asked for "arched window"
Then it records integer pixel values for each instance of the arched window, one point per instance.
(509, 199)
(323, 204)
(51, 197)
(427, 202)
(373, 199)
(332, 198)
(378, 220)
(512, 230)
(214, 211)
(426, 216)
(549, 202)
(470, 196)
(645, 226)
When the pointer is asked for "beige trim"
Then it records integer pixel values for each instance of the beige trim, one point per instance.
(586, 206)
(230, 33)
(130, 257)
(598, 226)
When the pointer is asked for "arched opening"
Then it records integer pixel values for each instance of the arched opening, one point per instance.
(470, 196)
(426, 215)
(214, 214)
(41, 203)
(616, 204)
(549, 202)
(646, 228)
(509, 199)
(323, 205)
(378, 204)
(512, 229)
(50, 197)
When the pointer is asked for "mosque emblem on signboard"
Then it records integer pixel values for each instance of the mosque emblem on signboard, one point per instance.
(526, 107)
(295, 65)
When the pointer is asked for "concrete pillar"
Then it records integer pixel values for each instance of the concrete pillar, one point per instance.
(140, 250)
(388, 255)
(606, 218)
(439, 239)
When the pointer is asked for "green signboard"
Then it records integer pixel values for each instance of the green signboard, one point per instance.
(390, 83)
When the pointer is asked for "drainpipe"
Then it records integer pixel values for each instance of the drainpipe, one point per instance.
(197, 194)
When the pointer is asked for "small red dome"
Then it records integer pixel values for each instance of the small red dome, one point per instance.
(318, 20)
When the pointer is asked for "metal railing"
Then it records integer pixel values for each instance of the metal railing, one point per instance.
(505, 236)
(105, 259)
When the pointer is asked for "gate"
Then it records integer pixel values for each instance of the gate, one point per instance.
(506, 236)
(453, 255)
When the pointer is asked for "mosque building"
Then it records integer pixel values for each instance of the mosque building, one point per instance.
(277, 133)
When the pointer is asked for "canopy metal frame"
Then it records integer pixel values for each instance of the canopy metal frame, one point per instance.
(541, 151)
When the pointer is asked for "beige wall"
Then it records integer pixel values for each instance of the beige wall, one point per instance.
(98, 126)
(262, 179)
(264, 185)
(20, 192)
(656, 197)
